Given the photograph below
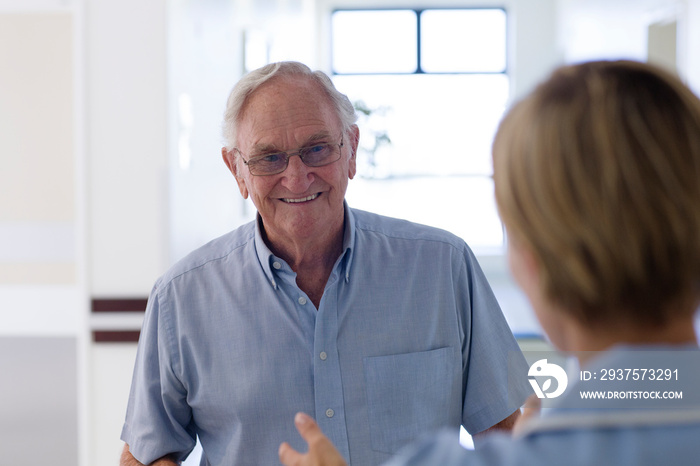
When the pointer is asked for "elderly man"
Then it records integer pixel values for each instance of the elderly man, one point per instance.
(380, 328)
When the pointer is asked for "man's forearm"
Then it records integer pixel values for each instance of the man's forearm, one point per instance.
(127, 459)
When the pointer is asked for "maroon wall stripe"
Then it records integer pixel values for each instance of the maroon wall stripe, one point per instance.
(115, 336)
(119, 305)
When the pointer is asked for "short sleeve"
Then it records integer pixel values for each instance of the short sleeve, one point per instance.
(495, 373)
(158, 419)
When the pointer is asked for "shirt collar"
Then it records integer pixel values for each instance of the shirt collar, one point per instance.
(267, 258)
(348, 240)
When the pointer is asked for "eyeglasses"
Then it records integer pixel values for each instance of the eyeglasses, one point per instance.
(316, 155)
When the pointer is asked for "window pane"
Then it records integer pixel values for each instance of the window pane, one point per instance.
(464, 206)
(374, 41)
(463, 40)
(437, 124)
(437, 168)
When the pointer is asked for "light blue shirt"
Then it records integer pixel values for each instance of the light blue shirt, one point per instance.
(408, 338)
(615, 432)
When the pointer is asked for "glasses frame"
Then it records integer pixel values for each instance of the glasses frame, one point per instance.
(290, 154)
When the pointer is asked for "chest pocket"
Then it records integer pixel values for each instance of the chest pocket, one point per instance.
(407, 396)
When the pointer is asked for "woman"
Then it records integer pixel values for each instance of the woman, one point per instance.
(597, 179)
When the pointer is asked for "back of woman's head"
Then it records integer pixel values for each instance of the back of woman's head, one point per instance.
(597, 173)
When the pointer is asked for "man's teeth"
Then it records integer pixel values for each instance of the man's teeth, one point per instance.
(303, 199)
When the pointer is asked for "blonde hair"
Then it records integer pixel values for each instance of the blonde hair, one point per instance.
(597, 172)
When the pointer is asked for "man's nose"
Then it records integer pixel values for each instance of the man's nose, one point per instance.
(297, 176)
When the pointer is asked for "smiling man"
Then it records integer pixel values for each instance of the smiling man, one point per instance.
(301, 207)
(382, 329)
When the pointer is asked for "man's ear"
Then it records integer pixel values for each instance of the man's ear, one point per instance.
(231, 162)
(353, 142)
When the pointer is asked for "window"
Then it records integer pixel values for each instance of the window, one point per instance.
(430, 87)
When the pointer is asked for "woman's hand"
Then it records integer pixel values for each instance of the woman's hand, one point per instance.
(321, 450)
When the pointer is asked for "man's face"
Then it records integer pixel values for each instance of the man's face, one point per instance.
(301, 202)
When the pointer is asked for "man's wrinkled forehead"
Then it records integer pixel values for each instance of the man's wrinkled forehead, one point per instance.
(281, 89)
(299, 107)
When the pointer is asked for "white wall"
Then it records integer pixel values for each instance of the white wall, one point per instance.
(205, 59)
(127, 189)
(39, 214)
(41, 286)
(127, 141)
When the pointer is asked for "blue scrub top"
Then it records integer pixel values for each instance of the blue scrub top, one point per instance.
(633, 430)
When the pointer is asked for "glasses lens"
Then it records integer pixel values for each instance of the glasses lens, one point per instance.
(268, 164)
(318, 155)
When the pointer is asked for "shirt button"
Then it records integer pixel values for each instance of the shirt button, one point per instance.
(330, 413)
(323, 356)
(302, 300)
(277, 265)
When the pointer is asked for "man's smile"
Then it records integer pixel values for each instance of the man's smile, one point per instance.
(303, 199)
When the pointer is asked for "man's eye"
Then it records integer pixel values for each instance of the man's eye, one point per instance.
(317, 152)
(269, 158)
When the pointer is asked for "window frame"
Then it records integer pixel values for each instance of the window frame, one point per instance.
(418, 12)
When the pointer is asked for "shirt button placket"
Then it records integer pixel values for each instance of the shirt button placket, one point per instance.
(327, 376)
